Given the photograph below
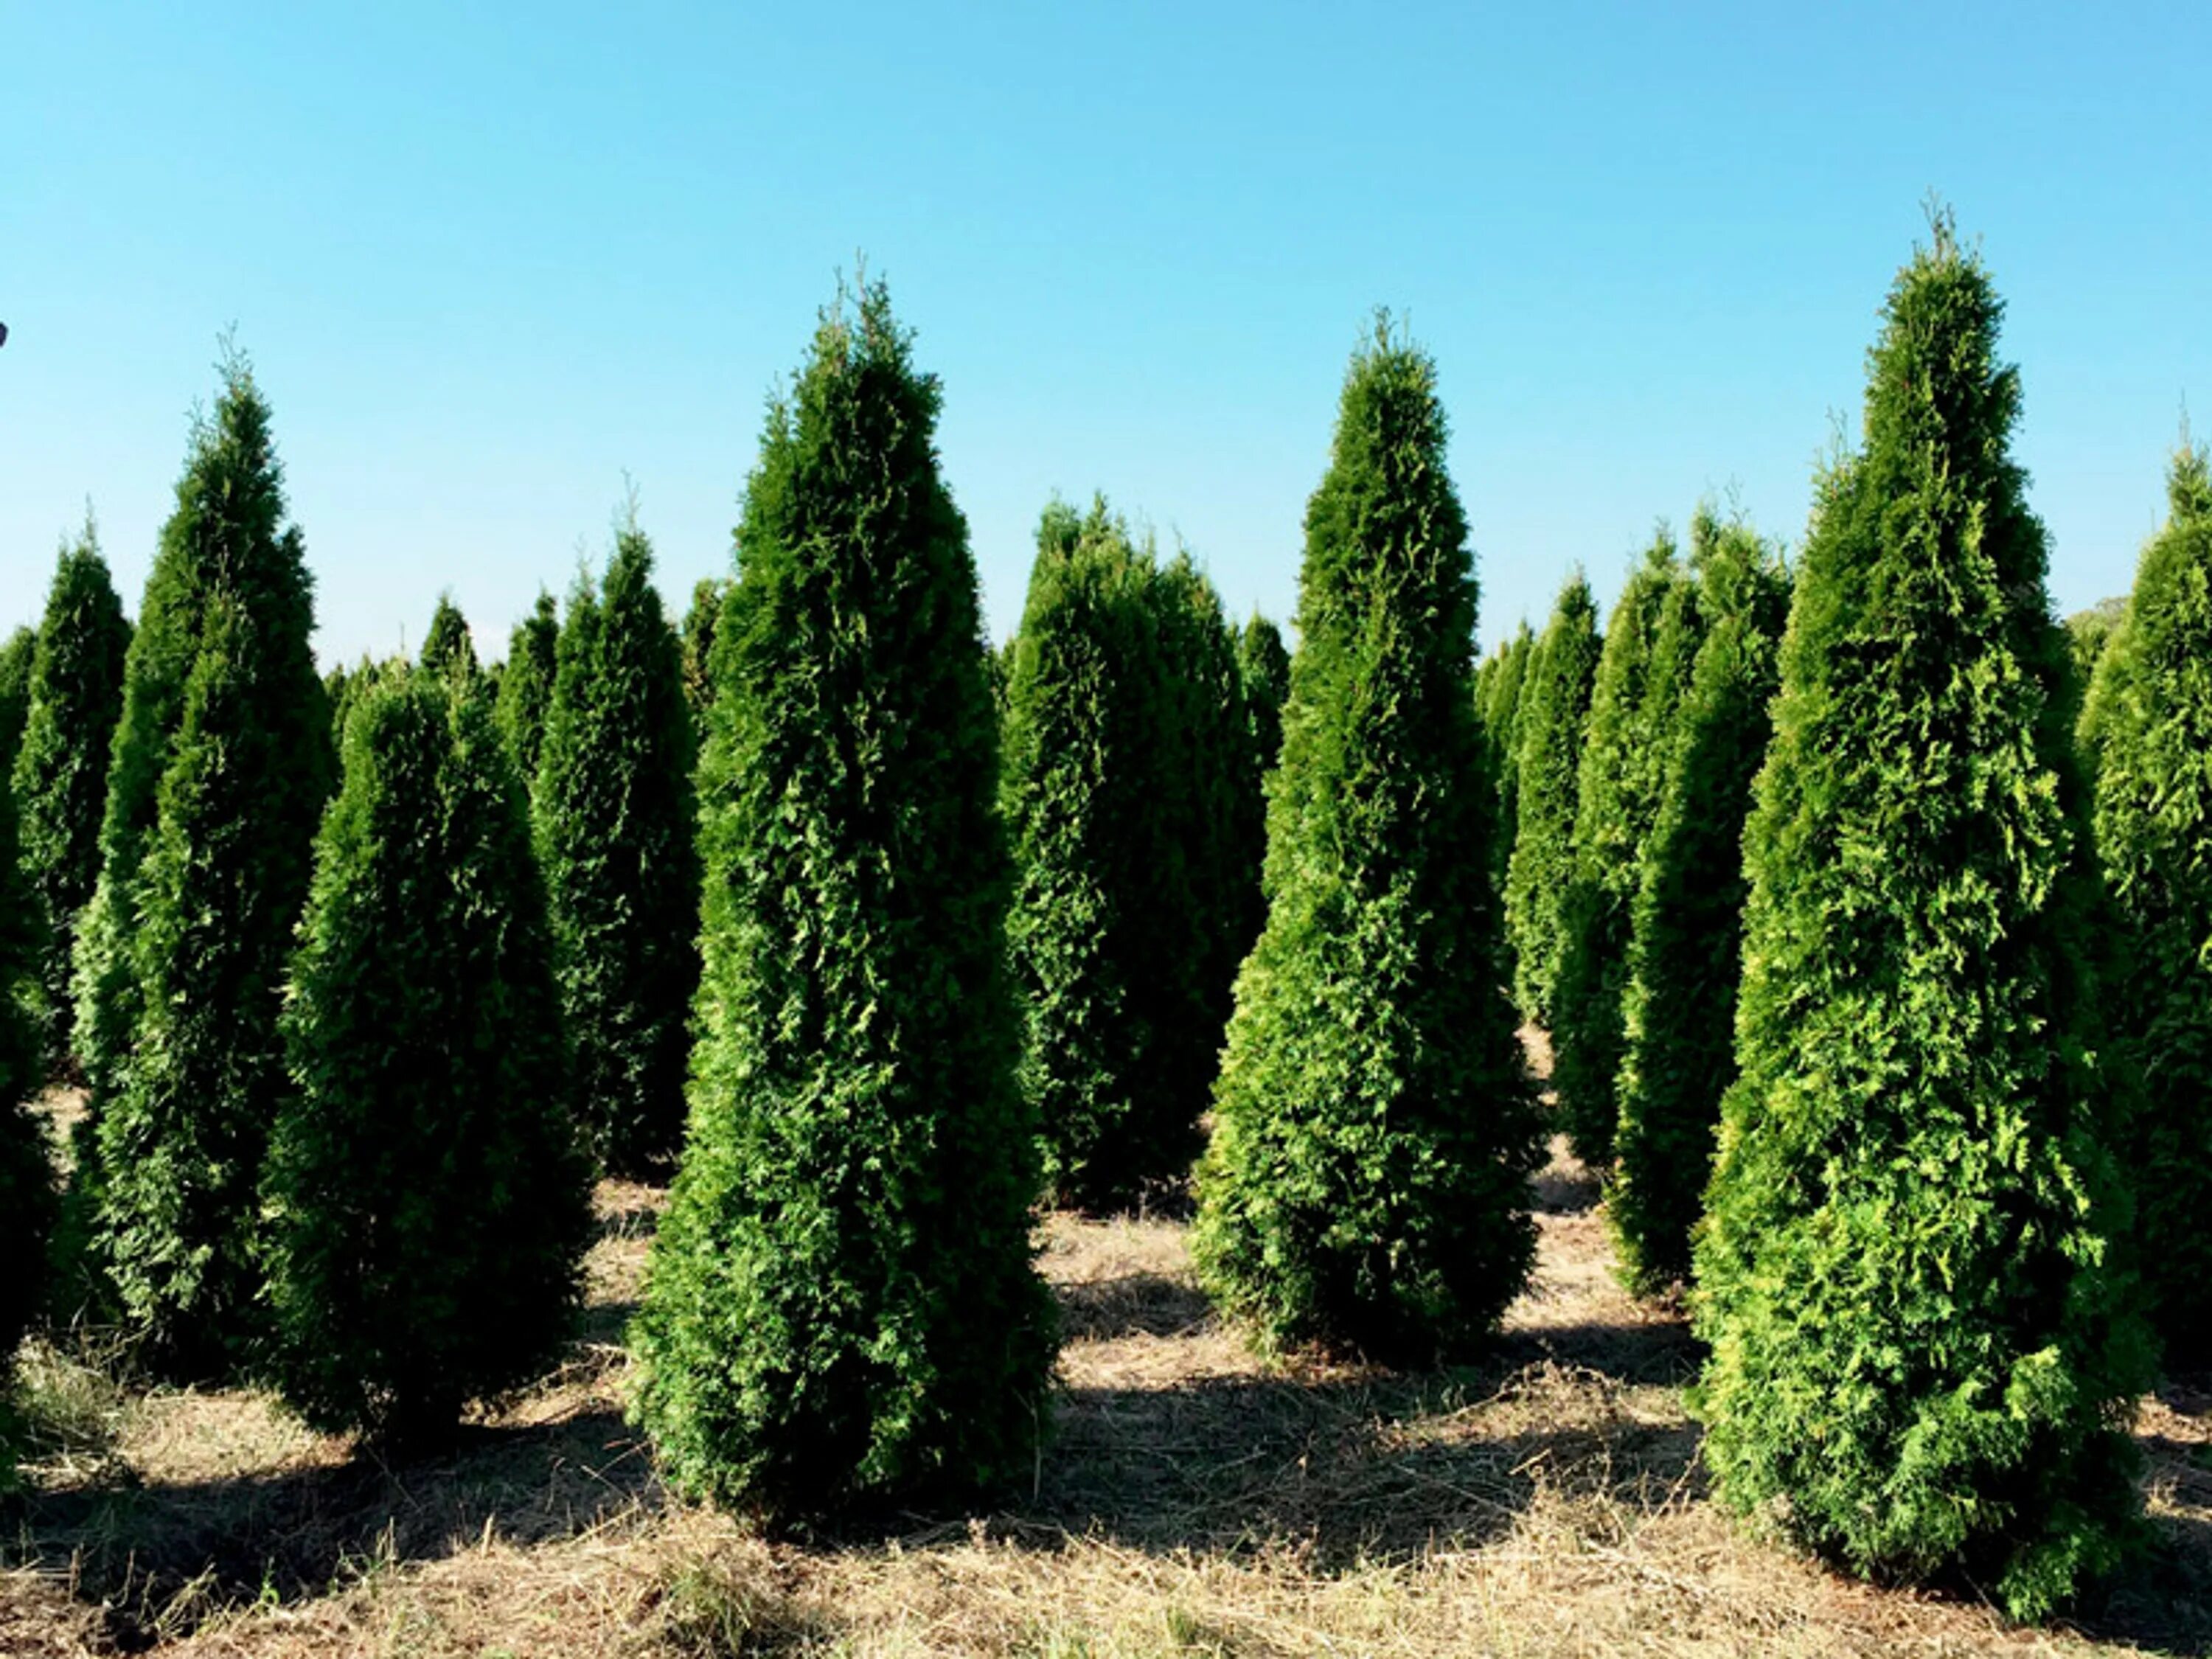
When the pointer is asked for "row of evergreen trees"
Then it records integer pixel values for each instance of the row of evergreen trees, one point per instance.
(1852, 1077)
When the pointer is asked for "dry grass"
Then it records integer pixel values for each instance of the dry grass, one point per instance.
(1195, 1501)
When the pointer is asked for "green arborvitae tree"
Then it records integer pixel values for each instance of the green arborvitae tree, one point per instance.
(2151, 706)
(26, 1170)
(15, 655)
(1104, 938)
(429, 1191)
(1551, 720)
(214, 892)
(1923, 1355)
(615, 835)
(447, 648)
(1264, 666)
(700, 623)
(1686, 930)
(1651, 642)
(526, 685)
(61, 767)
(1374, 1124)
(2090, 631)
(841, 1307)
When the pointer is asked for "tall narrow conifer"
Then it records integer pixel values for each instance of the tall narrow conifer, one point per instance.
(1553, 716)
(842, 1305)
(447, 647)
(26, 1170)
(1497, 701)
(1264, 666)
(1374, 1126)
(616, 836)
(1923, 1359)
(15, 654)
(1651, 642)
(2151, 708)
(1686, 926)
(428, 1189)
(61, 769)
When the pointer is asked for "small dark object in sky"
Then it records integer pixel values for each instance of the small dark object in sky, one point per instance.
(4, 334)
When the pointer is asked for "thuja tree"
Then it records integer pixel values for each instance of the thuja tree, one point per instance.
(1211, 789)
(700, 623)
(1264, 667)
(428, 1189)
(841, 1307)
(2151, 706)
(1686, 925)
(447, 647)
(1106, 943)
(615, 837)
(1651, 640)
(61, 767)
(526, 684)
(1374, 1127)
(1553, 716)
(1923, 1361)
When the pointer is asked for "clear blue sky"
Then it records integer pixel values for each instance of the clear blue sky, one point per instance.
(486, 259)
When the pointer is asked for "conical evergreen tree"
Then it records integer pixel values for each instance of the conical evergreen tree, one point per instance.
(27, 1173)
(447, 648)
(2151, 706)
(1687, 933)
(1922, 1357)
(429, 1191)
(216, 891)
(15, 655)
(1553, 716)
(841, 1306)
(616, 836)
(526, 685)
(1264, 666)
(1651, 642)
(1105, 940)
(61, 769)
(1374, 1126)
(700, 623)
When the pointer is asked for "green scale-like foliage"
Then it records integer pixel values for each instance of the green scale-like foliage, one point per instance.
(615, 835)
(1105, 941)
(1374, 1125)
(1923, 1359)
(700, 623)
(17, 654)
(447, 647)
(2151, 706)
(61, 767)
(841, 1307)
(1551, 720)
(27, 1178)
(428, 1189)
(1264, 667)
(1685, 952)
(526, 684)
(206, 846)
(1651, 642)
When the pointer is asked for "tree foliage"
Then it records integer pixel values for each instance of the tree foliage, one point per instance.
(700, 623)
(61, 767)
(841, 1306)
(427, 1188)
(1106, 941)
(1498, 684)
(1553, 716)
(16, 652)
(1374, 1126)
(1264, 667)
(1686, 925)
(615, 832)
(447, 647)
(526, 684)
(1922, 1357)
(214, 878)
(27, 1182)
(2151, 708)
(1651, 640)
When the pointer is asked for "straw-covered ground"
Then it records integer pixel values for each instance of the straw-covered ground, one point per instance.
(1195, 1500)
